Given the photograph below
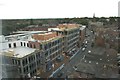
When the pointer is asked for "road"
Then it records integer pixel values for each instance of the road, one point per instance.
(92, 63)
(68, 68)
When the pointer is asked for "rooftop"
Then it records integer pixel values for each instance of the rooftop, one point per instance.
(19, 52)
(67, 26)
(45, 36)
(29, 32)
(82, 28)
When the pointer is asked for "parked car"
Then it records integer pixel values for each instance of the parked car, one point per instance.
(89, 51)
(60, 58)
(83, 49)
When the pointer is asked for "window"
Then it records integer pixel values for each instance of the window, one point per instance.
(45, 47)
(9, 45)
(20, 70)
(27, 69)
(30, 45)
(18, 62)
(27, 45)
(13, 61)
(34, 46)
(29, 59)
(40, 46)
(65, 32)
(24, 70)
(23, 62)
(21, 44)
(14, 44)
(24, 44)
(50, 45)
(46, 54)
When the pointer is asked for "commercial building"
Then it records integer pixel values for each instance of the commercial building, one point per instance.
(51, 45)
(27, 60)
(70, 33)
(82, 35)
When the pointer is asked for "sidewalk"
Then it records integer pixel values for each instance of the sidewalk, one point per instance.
(56, 66)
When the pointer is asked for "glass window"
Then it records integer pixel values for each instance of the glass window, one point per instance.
(24, 70)
(13, 61)
(30, 45)
(9, 45)
(40, 46)
(34, 46)
(27, 45)
(20, 70)
(23, 62)
(24, 44)
(18, 62)
(21, 44)
(27, 69)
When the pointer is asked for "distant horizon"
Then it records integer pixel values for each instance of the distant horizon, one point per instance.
(54, 18)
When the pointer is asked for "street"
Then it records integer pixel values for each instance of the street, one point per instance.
(68, 68)
(96, 64)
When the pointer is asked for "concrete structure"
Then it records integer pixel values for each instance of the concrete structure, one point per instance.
(51, 45)
(70, 34)
(82, 34)
(27, 60)
(8, 69)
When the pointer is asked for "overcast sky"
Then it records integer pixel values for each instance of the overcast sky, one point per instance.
(57, 8)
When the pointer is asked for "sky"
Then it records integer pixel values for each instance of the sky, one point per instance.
(22, 9)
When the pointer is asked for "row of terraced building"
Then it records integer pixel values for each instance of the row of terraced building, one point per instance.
(33, 52)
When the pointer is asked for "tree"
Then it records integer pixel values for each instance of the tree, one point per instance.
(31, 22)
(112, 20)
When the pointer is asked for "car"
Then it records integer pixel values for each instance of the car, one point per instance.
(83, 49)
(86, 42)
(70, 53)
(75, 68)
(89, 51)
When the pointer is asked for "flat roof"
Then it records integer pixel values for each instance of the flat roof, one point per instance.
(82, 28)
(20, 52)
(23, 33)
